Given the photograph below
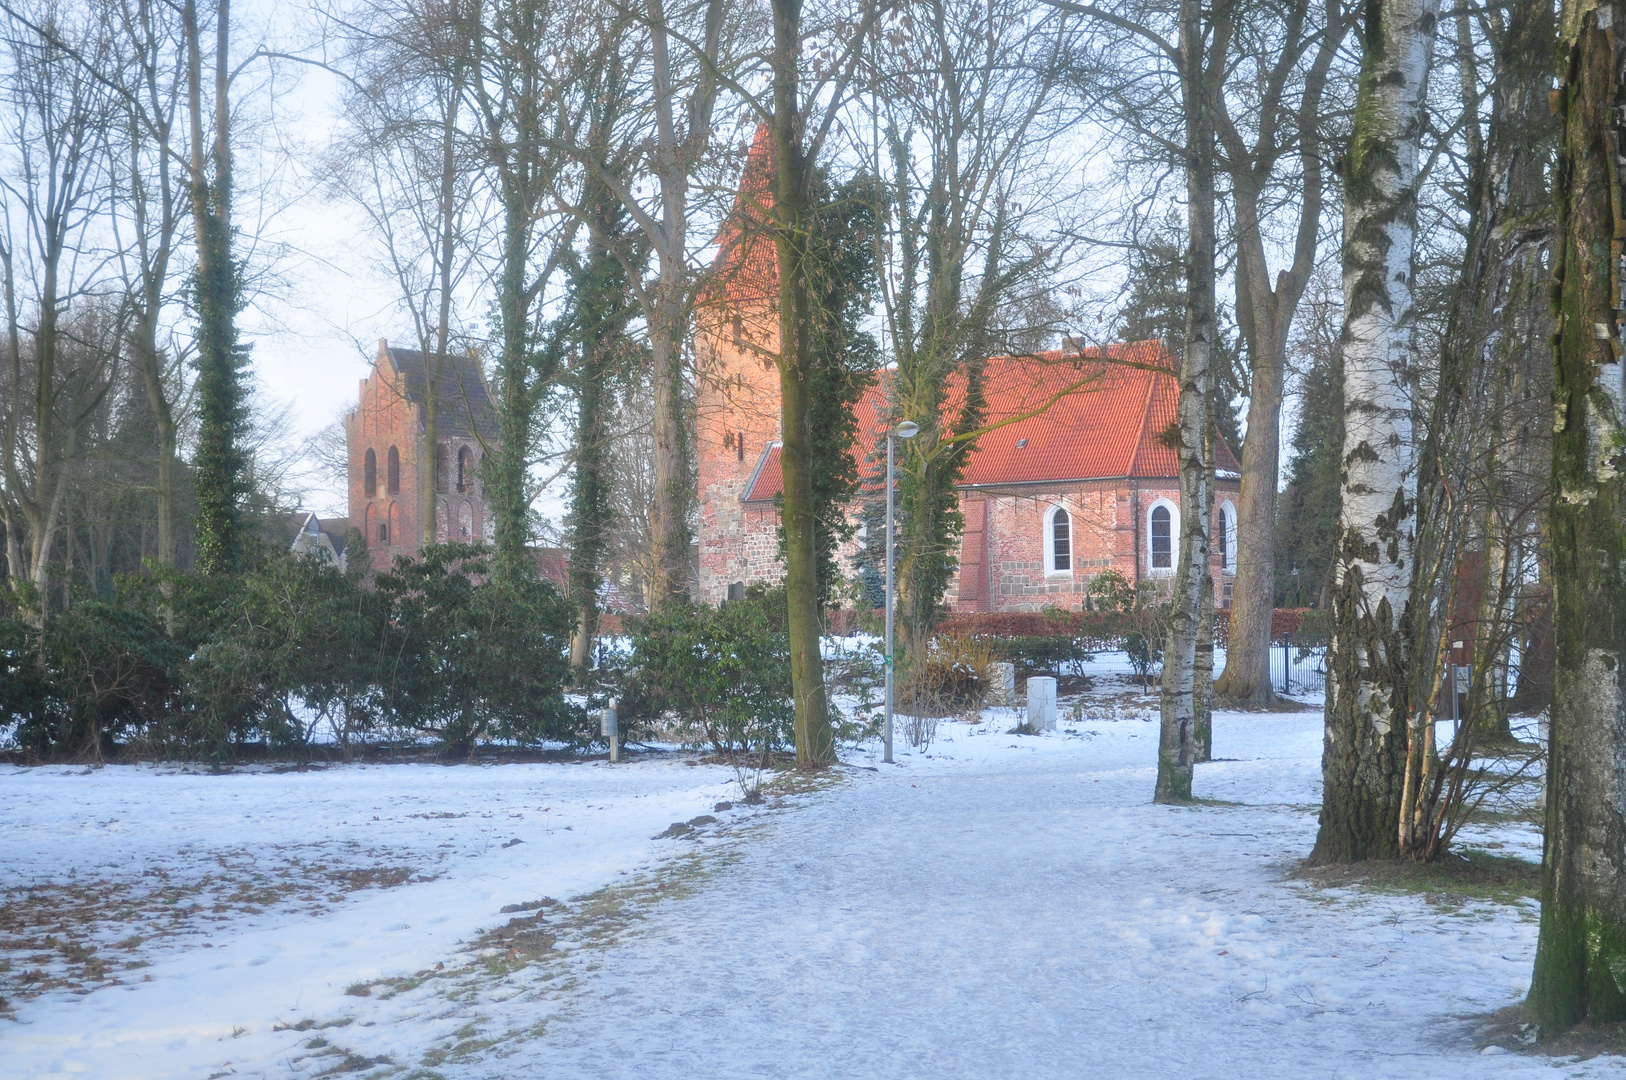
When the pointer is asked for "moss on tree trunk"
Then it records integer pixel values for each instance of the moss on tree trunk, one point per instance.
(1580, 970)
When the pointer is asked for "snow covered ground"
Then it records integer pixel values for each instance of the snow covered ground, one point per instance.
(992, 905)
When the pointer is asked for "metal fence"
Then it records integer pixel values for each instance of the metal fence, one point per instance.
(1298, 670)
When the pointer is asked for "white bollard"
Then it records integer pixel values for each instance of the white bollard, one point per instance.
(609, 727)
(1002, 684)
(1041, 703)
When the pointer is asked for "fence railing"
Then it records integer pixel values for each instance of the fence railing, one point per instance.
(1297, 668)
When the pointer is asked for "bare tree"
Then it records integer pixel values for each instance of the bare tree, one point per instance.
(969, 100)
(1269, 121)
(407, 168)
(1582, 941)
(1370, 654)
(514, 88)
(61, 364)
(149, 223)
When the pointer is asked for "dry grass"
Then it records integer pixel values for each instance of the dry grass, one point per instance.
(83, 935)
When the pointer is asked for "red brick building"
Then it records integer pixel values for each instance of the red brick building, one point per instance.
(1080, 480)
(386, 437)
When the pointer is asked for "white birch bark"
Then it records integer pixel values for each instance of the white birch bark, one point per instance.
(1363, 754)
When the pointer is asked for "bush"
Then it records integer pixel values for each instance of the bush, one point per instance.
(103, 672)
(951, 677)
(193, 666)
(465, 661)
(721, 674)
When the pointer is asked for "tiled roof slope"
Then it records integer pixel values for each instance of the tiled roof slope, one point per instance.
(464, 406)
(1091, 415)
(746, 270)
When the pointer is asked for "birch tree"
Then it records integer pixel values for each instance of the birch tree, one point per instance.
(1201, 43)
(1364, 750)
(1581, 949)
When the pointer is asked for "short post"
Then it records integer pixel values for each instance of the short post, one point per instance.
(610, 729)
(1002, 683)
(1041, 703)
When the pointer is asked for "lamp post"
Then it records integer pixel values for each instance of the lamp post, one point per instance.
(905, 430)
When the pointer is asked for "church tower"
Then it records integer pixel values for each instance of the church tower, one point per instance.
(385, 435)
(737, 394)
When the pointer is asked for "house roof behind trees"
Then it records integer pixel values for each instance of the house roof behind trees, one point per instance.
(1059, 416)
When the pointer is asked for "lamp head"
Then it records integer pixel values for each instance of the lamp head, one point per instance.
(906, 430)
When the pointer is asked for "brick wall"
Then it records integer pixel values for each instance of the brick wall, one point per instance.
(736, 419)
(385, 419)
(1102, 516)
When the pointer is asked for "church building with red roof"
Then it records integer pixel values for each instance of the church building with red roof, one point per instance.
(1073, 474)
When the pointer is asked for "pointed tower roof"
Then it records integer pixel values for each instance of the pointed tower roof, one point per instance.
(746, 270)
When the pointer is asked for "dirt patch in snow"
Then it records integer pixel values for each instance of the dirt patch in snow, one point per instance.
(87, 934)
(1460, 878)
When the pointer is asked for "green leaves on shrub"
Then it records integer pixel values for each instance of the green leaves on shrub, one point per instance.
(468, 661)
(194, 666)
(722, 675)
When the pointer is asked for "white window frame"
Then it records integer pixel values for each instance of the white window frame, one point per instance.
(1049, 520)
(1174, 539)
(1227, 522)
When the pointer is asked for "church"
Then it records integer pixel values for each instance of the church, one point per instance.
(385, 435)
(1075, 477)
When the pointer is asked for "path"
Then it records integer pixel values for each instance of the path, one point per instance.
(1005, 913)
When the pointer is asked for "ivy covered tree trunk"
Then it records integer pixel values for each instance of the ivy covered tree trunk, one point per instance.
(600, 308)
(1193, 582)
(1364, 750)
(1580, 971)
(793, 214)
(218, 477)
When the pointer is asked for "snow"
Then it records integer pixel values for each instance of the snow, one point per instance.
(991, 905)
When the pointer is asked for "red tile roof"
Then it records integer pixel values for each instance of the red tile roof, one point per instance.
(1055, 417)
(746, 270)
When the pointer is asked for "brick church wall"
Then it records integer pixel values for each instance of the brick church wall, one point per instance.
(736, 422)
(386, 418)
(1102, 516)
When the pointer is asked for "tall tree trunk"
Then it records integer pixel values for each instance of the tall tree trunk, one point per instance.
(1363, 755)
(793, 217)
(222, 418)
(1581, 950)
(1177, 746)
(434, 361)
(669, 514)
(666, 300)
(1265, 311)
(1246, 678)
(503, 472)
(601, 312)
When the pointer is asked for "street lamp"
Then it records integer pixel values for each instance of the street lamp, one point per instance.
(905, 430)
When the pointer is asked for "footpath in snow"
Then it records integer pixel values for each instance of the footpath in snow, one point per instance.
(994, 906)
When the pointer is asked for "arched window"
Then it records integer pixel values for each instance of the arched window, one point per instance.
(1058, 542)
(369, 475)
(1226, 540)
(465, 469)
(465, 523)
(443, 468)
(1160, 538)
(394, 471)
